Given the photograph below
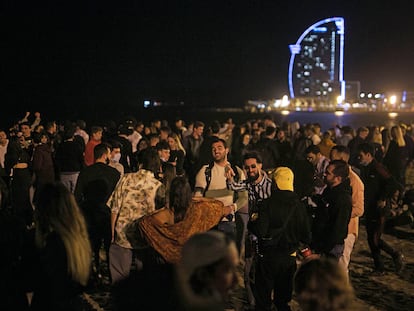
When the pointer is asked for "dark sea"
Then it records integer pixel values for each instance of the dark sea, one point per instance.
(326, 119)
(207, 115)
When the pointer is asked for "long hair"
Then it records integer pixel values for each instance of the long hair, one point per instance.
(180, 197)
(57, 211)
(177, 141)
(397, 135)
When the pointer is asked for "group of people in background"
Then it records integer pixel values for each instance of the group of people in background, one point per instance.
(172, 209)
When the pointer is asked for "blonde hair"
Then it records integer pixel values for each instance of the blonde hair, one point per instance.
(57, 211)
(177, 141)
(397, 135)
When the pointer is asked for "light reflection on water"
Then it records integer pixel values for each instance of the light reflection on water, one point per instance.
(326, 119)
(356, 119)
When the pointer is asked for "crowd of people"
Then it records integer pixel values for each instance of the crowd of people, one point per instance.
(173, 209)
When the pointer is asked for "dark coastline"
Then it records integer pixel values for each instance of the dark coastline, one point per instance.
(326, 119)
(207, 115)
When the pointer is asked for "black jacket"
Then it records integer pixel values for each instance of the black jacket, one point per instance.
(272, 216)
(332, 216)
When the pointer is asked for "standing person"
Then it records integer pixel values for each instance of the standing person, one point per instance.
(285, 148)
(4, 142)
(127, 159)
(268, 149)
(192, 145)
(259, 187)
(396, 157)
(360, 138)
(80, 130)
(69, 158)
(379, 186)
(281, 224)
(136, 194)
(18, 166)
(94, 139)
(211, 183)
(340, 152)
(319, 163)
(330, 227)
(64, 252)
(115, 157)
(93, 189)
(42, 163)
(210, 135)
(177, 153)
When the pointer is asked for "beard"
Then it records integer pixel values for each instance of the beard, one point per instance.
(252, 178)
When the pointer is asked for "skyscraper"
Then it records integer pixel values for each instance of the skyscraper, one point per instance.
(316, 63)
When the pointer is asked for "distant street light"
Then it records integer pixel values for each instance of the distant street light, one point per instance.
(393, 99)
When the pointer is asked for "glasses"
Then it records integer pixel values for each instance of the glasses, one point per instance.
(253, 166)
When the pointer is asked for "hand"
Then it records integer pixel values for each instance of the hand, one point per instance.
(229, 209)
(381, 203)
(228, 172)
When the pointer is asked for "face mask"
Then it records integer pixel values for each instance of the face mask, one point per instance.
(116, 157)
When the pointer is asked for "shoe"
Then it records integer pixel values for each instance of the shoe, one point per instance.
(399, 262)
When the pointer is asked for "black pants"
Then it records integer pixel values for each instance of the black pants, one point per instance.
(375, 228)
(274, 271)
(20, 194)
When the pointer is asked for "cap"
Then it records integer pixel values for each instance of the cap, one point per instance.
(283, 177)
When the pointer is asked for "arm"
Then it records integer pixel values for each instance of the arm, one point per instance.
(242, 198)
(200, 182)
(357, 197)
(114, 217)
(160, 197)
(339, 227)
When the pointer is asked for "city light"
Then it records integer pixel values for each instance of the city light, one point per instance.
(393, 99)
(393, 115)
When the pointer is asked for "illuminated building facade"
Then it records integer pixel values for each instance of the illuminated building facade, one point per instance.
(316, 63)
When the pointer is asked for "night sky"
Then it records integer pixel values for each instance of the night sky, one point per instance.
(65, 56)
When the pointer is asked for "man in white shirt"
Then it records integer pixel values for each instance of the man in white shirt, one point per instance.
(210, 182)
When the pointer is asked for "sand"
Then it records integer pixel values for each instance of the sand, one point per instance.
(388, 292)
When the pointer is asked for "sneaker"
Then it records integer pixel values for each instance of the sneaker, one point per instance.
(399, 262)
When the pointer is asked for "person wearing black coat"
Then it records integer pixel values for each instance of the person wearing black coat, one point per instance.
(330, 227)
(281, 225)
(94, 186)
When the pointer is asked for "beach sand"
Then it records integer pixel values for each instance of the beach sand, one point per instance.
(390, 292)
